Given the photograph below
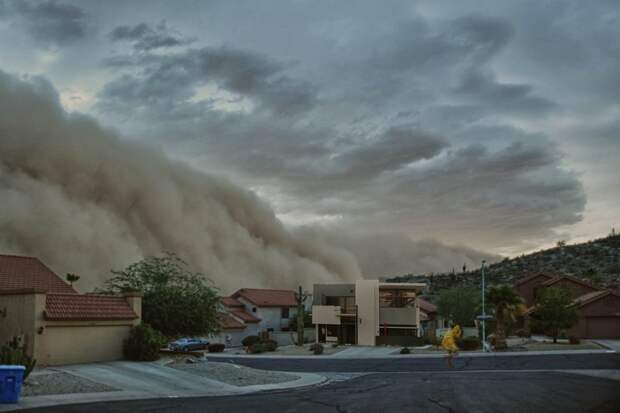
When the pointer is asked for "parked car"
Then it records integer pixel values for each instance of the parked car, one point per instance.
(187, 344)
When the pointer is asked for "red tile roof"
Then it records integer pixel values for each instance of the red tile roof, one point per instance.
(245, 316)
(227, 322)
(589, 297)
(267, 298)
(427, 307)
(231, 302)
(17, 272)
(87, 307)
(570, 278)
(532, 276)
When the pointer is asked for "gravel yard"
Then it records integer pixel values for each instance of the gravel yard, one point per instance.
(56, 382)
(233, 373)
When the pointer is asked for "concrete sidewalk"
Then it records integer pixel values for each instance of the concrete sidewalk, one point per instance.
(149, 380)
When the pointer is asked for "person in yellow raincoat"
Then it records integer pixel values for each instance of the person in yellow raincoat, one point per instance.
(449, 343)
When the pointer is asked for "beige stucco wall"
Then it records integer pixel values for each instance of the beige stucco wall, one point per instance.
(81, 343)
(398, 316)
(326, 314)
(20, 319)
(367, 301)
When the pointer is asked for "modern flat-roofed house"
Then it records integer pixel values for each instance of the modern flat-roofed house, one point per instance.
(368, 312)
(57, 324)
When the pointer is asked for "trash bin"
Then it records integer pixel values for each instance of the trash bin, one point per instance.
(11, 378)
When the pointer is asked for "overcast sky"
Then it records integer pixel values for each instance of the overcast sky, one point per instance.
(490, 124)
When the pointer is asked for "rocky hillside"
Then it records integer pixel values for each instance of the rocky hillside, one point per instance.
(597, 261)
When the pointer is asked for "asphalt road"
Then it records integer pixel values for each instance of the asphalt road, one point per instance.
(520, 362)
(455, 391)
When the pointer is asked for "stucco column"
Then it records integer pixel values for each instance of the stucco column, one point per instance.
(134, 299)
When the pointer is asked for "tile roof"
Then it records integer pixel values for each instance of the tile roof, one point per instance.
(87, 307)
(227, 322)
(533, 276)
(576, 280)
(267, 298)
(17, 272)
(589, 297)
(427, 307)
(245, 316)
(231, 302)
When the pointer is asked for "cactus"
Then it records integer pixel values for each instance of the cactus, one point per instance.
(15, 354)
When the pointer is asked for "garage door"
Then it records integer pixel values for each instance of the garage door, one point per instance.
(603, 327)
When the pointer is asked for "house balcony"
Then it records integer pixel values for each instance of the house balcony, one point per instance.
(403, 316)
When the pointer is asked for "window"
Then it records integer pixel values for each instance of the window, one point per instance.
(285, 311)
(253, 309)
(396, 298)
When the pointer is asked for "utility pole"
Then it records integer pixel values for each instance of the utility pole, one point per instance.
(484, 316)
(300, 297)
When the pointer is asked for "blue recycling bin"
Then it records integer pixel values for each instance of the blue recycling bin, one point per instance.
(11, 378)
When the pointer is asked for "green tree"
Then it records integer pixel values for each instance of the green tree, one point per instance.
(71, 278)
(504, 301)
(554, 311)
(175, 300)
(459, 304)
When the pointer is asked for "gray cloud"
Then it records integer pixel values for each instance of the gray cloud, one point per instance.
(147, 37)
(173, 79)
(50, 23)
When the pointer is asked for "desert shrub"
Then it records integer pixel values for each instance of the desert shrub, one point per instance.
(257, 348)
(269, 345)
(317, 348)
(470, 343)
(216, 348)
(574, 340)
(143, 343)
(250, 340)
(405, 350)
(14, 353)
(523, 332)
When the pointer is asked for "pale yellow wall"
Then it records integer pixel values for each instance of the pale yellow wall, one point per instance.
(367, 301)
(70, 344)
(326, 314)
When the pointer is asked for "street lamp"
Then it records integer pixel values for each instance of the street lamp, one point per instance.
(484, 316)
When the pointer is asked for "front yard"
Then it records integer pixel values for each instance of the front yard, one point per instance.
(232, 374)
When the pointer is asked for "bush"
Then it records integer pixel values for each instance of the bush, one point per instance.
(250, 340)
(270, 345)
(523, 332)
(470, 343)
(14, 353)
(143, 343)
(257, 348)
(317, 348)
(574, 340)
(216, 348)
(405, 350)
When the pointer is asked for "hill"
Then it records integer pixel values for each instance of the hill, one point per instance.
(597, 261)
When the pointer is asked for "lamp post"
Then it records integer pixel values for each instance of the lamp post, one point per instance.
(484, 316)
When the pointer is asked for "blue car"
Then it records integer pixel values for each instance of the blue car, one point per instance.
(187, 344)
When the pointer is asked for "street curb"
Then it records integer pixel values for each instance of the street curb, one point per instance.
(305, 380)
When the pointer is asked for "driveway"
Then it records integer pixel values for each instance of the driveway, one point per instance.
(491, 392)
(364, 352)
(610, 344)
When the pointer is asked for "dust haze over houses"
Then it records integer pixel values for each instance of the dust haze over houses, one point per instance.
(274, 143)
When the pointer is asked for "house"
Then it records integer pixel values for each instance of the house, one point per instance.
(368, 312)
(430, 320)
(250, 311)
(599, 310)
(56, 323)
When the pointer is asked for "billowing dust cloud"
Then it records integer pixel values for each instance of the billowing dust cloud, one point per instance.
(84, 201)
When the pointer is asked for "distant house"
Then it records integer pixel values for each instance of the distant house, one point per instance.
(599, 310)
(368, 312)
(57, 324)
(430, 320)
(250, 311)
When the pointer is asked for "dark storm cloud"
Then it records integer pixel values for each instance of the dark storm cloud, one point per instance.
(173, 79)
(50, 23)
(146, 37)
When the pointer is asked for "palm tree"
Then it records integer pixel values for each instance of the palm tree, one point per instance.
(505, 302)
